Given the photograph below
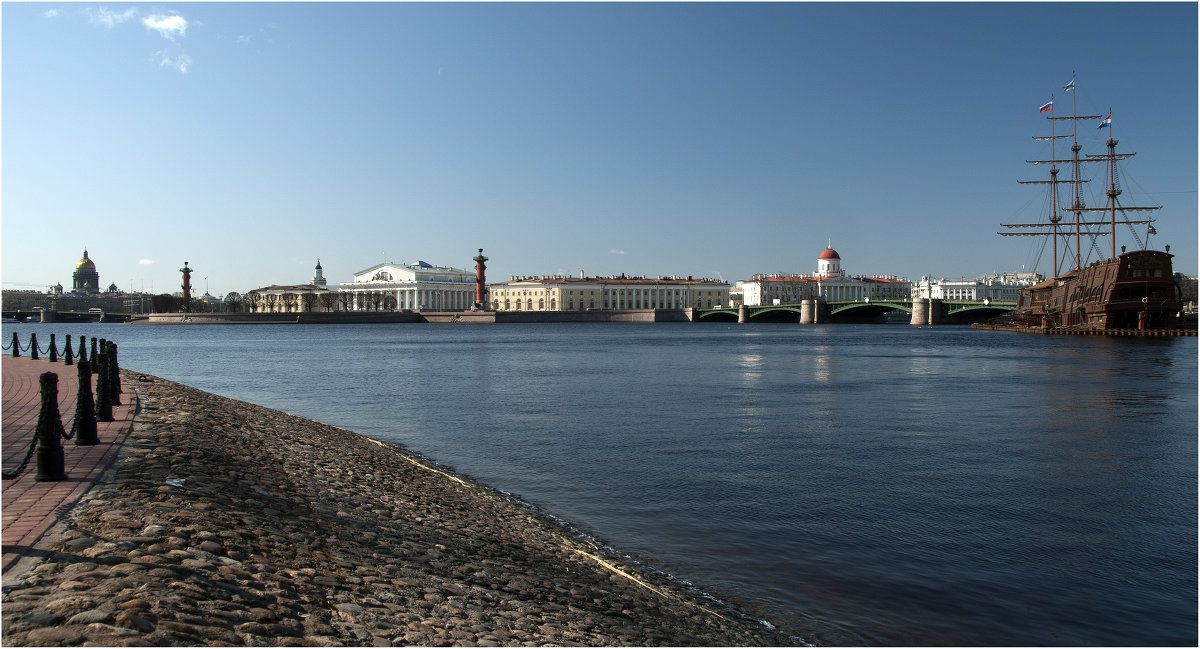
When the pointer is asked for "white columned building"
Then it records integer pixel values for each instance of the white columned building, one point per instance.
(410, 287)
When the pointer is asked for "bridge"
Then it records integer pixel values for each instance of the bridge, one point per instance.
(921, 311)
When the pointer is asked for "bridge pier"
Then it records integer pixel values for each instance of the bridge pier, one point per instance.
(926, 311)
(810, 311)
(48, 316)
(741, 314)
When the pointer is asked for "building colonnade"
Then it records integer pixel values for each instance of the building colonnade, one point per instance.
(410, 298)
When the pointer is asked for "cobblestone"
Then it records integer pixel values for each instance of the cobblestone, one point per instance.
(234, 524)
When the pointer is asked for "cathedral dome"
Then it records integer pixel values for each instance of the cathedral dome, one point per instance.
(85, 263)
(829, 253)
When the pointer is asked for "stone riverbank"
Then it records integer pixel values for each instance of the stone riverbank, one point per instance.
(225, 523)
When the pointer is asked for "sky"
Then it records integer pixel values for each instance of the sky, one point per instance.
(704, 139)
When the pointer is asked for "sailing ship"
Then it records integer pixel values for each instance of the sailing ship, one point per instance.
(1131, 290)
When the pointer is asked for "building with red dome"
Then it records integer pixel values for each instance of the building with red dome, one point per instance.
(828, 283)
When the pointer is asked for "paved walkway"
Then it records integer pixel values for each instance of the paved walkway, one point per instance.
(30, 509)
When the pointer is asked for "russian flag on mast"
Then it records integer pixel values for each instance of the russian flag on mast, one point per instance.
(1107, 122)
(1048, 106)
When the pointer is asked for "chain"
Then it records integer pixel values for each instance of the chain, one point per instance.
(9, 475)
(74, 429)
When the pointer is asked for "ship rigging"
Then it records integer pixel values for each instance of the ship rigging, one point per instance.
(1077, 230)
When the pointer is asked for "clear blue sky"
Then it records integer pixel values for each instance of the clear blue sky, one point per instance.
(696, 139)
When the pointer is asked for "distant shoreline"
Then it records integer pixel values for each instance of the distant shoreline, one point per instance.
(452, 317)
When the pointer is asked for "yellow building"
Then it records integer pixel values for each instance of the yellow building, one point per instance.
(560, 293)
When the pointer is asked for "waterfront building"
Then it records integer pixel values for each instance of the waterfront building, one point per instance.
(413, 287)
(829, 283)
(290, 299)
(313, 296)
(1003, 287)
(562, 293)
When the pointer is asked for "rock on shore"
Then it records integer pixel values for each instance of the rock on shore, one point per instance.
(225, 523)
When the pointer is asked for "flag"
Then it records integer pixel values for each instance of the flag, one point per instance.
(1048, 106)
(1107, 122)
(1070, 86)
(1151, 230)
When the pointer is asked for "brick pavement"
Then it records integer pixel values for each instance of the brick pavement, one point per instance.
(30, 509)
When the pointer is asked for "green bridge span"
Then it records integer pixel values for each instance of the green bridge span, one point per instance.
(927, 311)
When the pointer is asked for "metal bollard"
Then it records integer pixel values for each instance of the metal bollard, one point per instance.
(115, 380)
(67, 360)
(103, 391)
(92, 358)
(83, 348)
(51, 466)
(16, 346)
(33, 350)
(53, 350)
(85, 408)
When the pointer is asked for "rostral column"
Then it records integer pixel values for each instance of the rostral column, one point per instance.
(480, 281)
(187, 288)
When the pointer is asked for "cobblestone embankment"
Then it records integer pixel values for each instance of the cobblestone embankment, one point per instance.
(225, 523)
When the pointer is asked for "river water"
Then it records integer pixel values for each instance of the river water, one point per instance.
(853, 484)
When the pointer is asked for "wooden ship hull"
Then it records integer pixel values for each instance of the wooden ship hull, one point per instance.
(1135, 290)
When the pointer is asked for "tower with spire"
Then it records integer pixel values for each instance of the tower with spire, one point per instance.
(318, 276)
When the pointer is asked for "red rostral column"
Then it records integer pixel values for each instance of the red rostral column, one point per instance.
(187, 288)
(480, 281)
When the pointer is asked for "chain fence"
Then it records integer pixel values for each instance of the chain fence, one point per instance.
(85, 404)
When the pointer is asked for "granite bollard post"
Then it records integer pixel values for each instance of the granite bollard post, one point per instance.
(16, 345)
(83, 348)
(93, 356)
(67, 359)
(85, 408)
(50, 462)
(53, 350)
(33, 347)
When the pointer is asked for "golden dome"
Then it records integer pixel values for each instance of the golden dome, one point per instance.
(85, 263)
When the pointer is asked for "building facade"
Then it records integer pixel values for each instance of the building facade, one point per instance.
(829, 283)
(561, 293)
(294, 298)
(1001, 288)
(409, 287)
(290, 299)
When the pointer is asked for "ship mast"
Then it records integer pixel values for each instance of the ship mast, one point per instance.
(1114, 191)
(1077, 203)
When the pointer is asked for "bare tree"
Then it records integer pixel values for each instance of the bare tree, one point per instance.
(346, 299)
(271, 300)
(308, 300)
(389, 302)
(329, 300)
(233, 301)
(376, 299)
